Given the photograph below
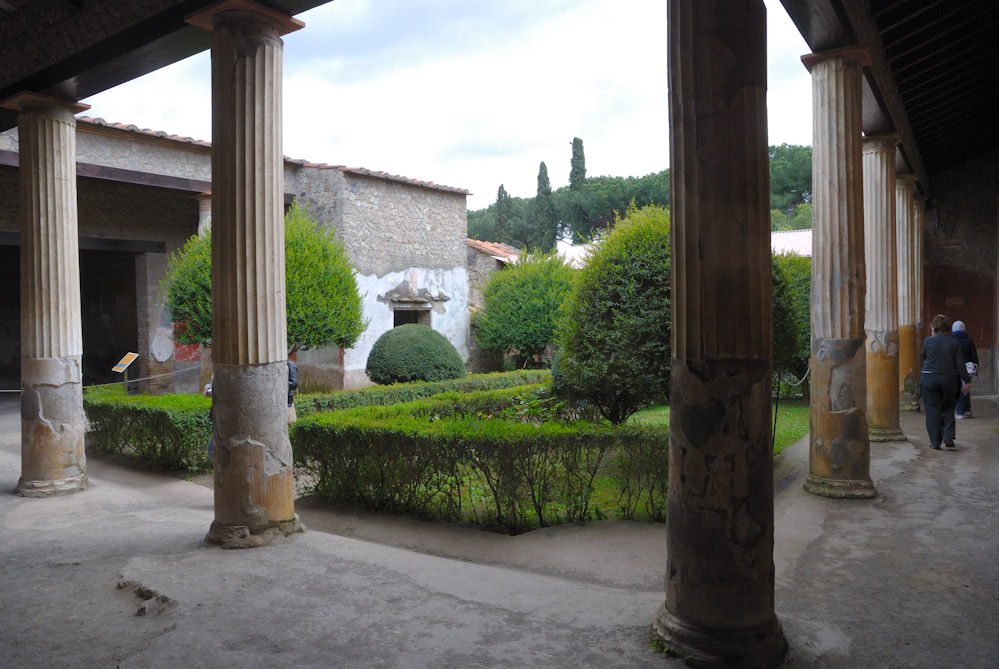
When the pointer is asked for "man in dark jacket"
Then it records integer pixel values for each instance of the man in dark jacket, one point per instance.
(943, 379)
(963, 408)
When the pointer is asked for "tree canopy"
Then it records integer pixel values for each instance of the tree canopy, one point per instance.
(790, 178)
(614, 328)
(521, 302)
(323, 303)
(546, 226)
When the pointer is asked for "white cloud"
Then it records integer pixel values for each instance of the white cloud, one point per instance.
(472, 94)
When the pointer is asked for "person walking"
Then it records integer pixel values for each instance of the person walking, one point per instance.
(944, 377)
(963, 408)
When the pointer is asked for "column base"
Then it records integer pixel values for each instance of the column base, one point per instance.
(754, 648)
(840, 488)
(53, 488)
(242, 536)
(886, 434)
(909, 406)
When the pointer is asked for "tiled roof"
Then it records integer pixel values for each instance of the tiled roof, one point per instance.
(794, 241)
(495, 249)
(395, 177)
(142, 131)
(297, 161)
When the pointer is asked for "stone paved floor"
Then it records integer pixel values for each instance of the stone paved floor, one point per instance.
(118, 576)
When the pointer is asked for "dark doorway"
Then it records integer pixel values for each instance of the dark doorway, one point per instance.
(10, 317)
(108, 303)
(417, 316)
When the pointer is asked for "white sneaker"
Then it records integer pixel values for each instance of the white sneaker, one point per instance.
(958, 416)
(968, 414)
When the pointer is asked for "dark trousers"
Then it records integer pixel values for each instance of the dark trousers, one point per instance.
(940, 392)
(963, 404)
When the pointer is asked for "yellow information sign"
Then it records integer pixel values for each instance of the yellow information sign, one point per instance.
(125, 362)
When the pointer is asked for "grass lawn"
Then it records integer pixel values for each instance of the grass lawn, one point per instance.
(792, 421)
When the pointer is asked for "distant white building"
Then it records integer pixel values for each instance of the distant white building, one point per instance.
(793, 241)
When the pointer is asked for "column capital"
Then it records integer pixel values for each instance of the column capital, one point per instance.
(206, 18)
(26, 101)
(906, 180)
(851, 53)
(920, 198)
(881, 142)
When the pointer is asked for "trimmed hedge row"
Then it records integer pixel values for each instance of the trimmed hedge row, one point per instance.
(446, 458)
(407, 392)
(170, 431)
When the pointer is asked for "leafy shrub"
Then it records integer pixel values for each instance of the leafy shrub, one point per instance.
(414, 390)
(614, 329)
(793, 361)
(324, 306)
(521, 303)
(413, 352)
(442, 459)
(170, 431)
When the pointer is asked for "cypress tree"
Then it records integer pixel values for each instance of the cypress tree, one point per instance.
(545, 230)
(577, 173)
(504, 213)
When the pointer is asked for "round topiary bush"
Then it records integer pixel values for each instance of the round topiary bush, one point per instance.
(413, 353)
(614, 334)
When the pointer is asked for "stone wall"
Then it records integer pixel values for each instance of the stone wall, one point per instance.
(481, 266)
(388, 226)
(395, 230)
(965, 232)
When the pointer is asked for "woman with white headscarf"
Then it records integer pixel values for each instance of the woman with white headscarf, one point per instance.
(963, 408)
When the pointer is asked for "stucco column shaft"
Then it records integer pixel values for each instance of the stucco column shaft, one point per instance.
(881, 314)
(719, 608)
(918, 234)
(839, 457)
(908, 337)
(254, 497)
(53, 460)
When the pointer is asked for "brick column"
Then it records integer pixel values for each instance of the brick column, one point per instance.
(254, 499)
(909, 342)
(53, 461)
(881, 313)
(839, 457)
(719, 607)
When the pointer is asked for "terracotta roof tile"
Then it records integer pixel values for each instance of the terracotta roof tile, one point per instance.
(395, 177)
(495, 249)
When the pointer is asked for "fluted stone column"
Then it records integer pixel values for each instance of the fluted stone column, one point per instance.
(204, 213)
(908, 337)
(918, 234)
(254, 500)
(839, 457)
(881, 314)
(53, 460)
(719, 608)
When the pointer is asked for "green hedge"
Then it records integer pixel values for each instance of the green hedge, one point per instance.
(447, 459)
(170, 431)
(173, 430)
(407, 392)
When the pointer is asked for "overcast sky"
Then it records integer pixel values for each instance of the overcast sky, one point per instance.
(473, 94)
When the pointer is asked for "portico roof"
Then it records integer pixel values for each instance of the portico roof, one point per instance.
(932, 78)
